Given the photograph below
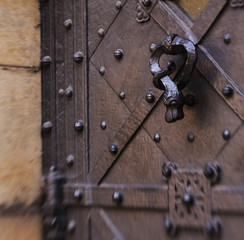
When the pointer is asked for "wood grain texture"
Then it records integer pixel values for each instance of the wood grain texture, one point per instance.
(19, 33)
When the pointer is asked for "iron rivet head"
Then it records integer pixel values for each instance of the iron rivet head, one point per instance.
(227, 38)
(46, 61)
(100, 32)
(147, 3)
(102, 70)
(166, 171)
(78, 57)
(153, 47)
(190, 100)
(70, 160)
(78, 195)
(210, 229)
(150, 97)
(226, 134)
(103, 125)
(168, 225)
(79, 125)
(208, 172)
(118, 5)
(117, 197)
(118, 53)
(157, 137)
(122, 95)
(47, 126)
(113, 149)
(190, 137)
(188, 199)
(71, 226)
(227, 91)
(53, 168)
(61, 92)
(68, 24)
(69, 92)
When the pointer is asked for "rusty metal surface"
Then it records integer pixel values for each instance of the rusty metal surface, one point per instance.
(104, 127)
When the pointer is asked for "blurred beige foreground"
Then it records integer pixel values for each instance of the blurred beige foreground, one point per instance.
(20, 119)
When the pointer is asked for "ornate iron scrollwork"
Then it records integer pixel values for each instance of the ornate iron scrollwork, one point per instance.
(173, 98)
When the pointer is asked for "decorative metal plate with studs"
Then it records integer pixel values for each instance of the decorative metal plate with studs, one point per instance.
(189, 199)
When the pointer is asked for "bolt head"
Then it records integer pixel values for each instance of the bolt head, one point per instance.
(191, 137)
(188, 199)
(227, 38)
(103, 125)
(47, 126)
(79, 125)
(168, 225)
(46, 61)
(210, 229)
(69, 92)
(78, 195)
(122, 95)
(147, 3)
(53, 168)
(113, 149)
(166, 171)
(117, 197)
(153, 47)
(209, 172)
(150, 97)
(70, 160)
(100, 32)
(118, 53)
(102, 70)
(71, 226)
(226, 134)
(61, 92)
(68, 24)
(157, 137)
(227, 91)
(118, 5)
(78, 57)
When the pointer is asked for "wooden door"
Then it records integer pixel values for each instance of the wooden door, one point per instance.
(119, 170)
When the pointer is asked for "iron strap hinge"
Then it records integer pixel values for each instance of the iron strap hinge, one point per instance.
(54, 211)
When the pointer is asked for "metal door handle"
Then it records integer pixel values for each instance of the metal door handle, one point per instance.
(173, 98)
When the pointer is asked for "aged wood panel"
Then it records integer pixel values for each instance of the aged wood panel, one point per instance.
(19, 33)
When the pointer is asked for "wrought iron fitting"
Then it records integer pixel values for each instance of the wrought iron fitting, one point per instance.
(69, 92)
(79, 126)
(157, 137)
(117, 197)
(100, 32)
(122, 95)
(78, 57)
(102, 70)
(70, 160)
(46, 61)
(212, 171)
(150, 97)
(78, 194)
(113, 149)
(118, 54)
(118, 5)
(68, 24)
(226, 134)
(227, 91)
(47, 126)
(147, 3)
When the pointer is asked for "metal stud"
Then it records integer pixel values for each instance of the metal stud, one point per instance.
(118, 5)
(212, 171)
(213, 228)
(102, 70)
(190, 137)
(153, 47)
(190, 100)
(79, 125)
(68, 24)
(147, 3)
(53, 168)
(70, 160)
(78, 195)
(103, 125)
(166, 171)
(69, 92)
(209, 172)
(100, 32)
(78, 57)
(157, 137)
(122, 95)
(150, 97)
(169, 226)
(46, 61)
(188, 199)
(226, 134)
(117, 197)
(71, 226)
(61, 92)
(47, 126)
(227, 38)
(113, 149)
(118, 53)
(227, 91)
